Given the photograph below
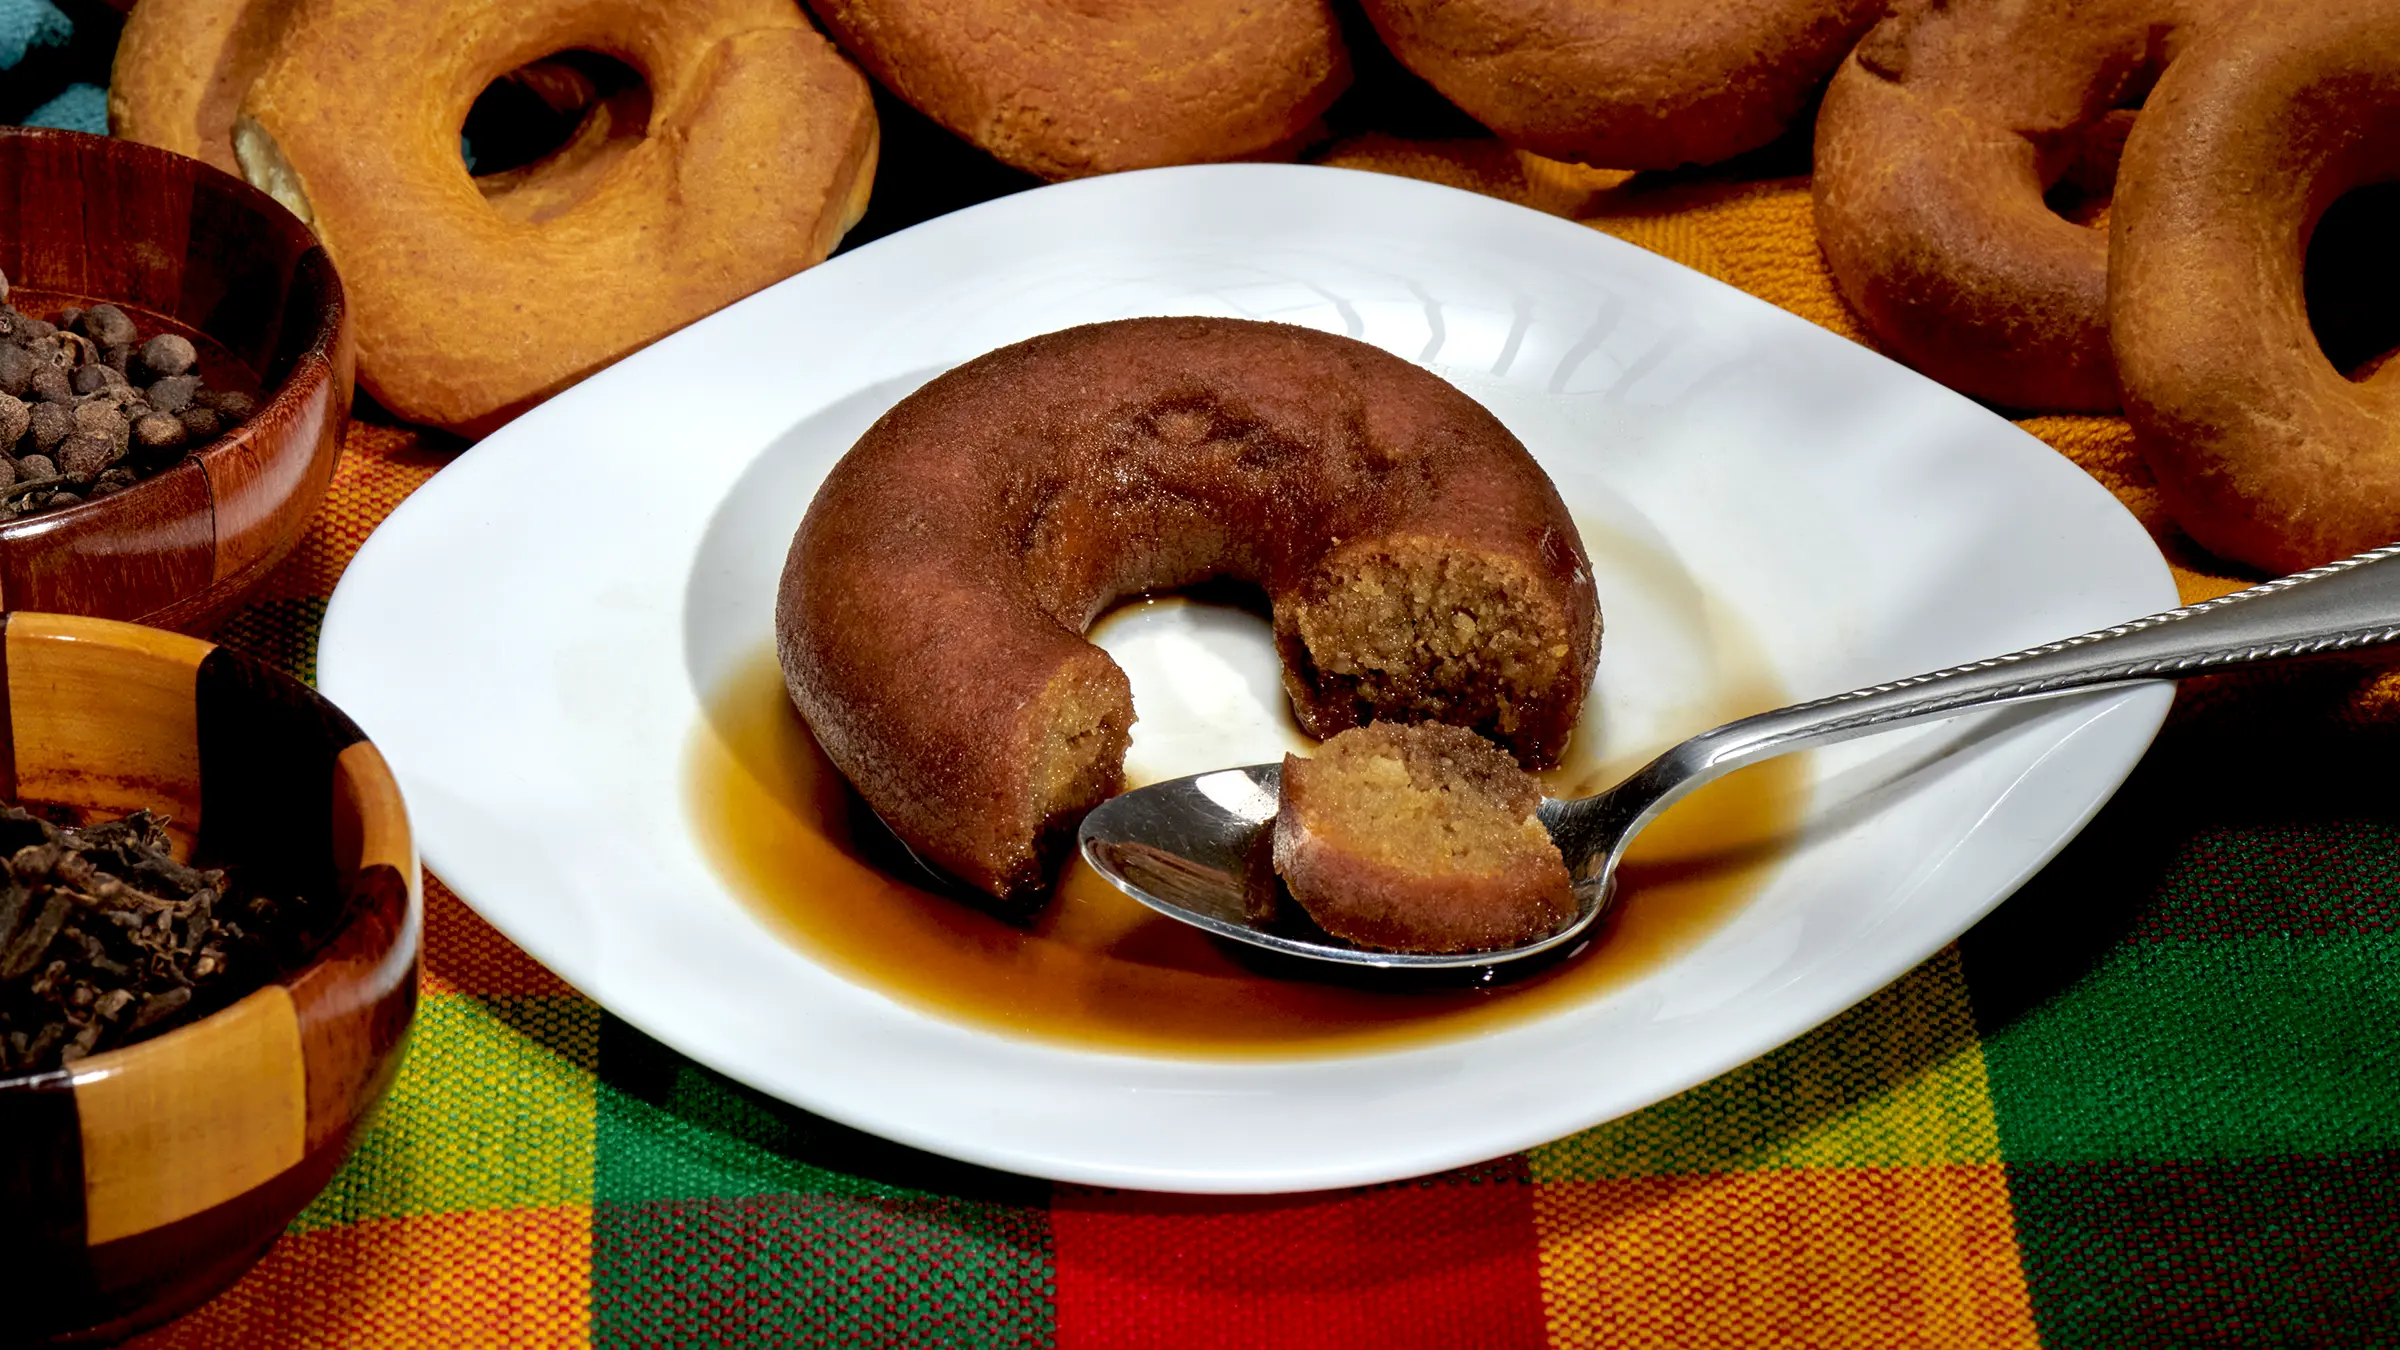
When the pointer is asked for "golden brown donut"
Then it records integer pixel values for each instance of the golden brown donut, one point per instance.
(758, 154)
(1936, 144)
(1419, 838)
(2263, 451)
(1070, 88)
(182, 67)
(1627, 84)
(931, 614)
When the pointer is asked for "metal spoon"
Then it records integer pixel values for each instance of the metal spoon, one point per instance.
(1195, 848)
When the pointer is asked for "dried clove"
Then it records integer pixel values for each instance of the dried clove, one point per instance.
(105, 938)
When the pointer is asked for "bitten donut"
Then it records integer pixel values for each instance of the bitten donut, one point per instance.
(1936, 144)
(1067, 88)
(757, 155)
(931, 615)
(2263, 451)
(1627, 84)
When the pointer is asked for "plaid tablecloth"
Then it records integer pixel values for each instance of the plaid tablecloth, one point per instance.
(2153, 1100)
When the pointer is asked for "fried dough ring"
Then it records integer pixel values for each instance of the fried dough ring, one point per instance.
(183, 66)
(1068, 88)
(2264, 452)
(1936, 145)
(758, 155)
(931, 616)
(1626, 84)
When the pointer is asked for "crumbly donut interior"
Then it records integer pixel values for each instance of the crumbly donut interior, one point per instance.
(1077, 759)
(1427, 800)
(1414, 631)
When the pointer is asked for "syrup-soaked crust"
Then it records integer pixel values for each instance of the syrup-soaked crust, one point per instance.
(758, 154)
(932, 607)
(2264, 452)
(1627, 84)
(1936, 145)
(1065, 90)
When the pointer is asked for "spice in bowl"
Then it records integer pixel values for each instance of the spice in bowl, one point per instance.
(90, 406)
(105, 939)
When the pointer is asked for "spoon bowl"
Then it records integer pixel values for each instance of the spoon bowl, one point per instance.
(1198, 848)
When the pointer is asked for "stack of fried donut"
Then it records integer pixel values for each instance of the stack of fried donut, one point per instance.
(755, 154)
(1944, 130)
(2263, 450)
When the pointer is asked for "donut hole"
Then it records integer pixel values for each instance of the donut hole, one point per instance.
(2351, 280)
(540, 136)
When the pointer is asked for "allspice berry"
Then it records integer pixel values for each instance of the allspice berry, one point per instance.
(201, 424)
(157, 432)
(91, 379)
(96, 405)
(107, 325)
(169, 354)
(48, 424)
(82, 457)
(103, 422)
(174, 393)
(231, 404)
(16, 370)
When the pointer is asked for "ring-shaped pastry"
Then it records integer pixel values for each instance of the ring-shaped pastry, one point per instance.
(1068, 88)
(758, 154)
(183, 66)
(1937, 142)
(1627, 84)
(2263, 451)
(930, 621)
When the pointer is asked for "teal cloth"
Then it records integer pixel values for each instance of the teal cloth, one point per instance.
(81, 107)
(27, 24)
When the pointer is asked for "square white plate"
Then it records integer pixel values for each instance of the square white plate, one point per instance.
(530, 636)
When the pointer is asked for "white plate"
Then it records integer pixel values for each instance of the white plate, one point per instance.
(528, 639)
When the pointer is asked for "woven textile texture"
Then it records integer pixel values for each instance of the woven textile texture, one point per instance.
(2153, 1100)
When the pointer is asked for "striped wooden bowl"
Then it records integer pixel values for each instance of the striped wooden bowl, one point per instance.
(182, 248)
(141, 1181)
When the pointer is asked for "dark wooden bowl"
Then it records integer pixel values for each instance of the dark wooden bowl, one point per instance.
(141, 1181)
(181, 248)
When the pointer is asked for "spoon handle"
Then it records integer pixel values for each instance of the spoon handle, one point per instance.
(2343, 606)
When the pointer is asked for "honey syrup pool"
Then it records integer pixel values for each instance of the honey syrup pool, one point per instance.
(1095, 968)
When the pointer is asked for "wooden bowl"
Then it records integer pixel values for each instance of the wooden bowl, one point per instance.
(182, 248)
(141, 1181)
